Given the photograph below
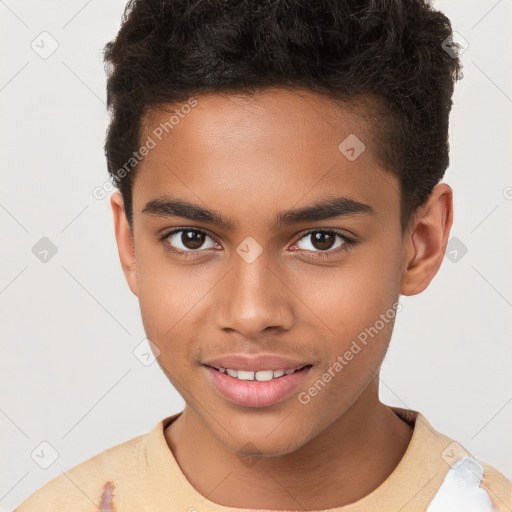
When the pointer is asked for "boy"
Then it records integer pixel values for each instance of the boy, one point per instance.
(302, 144)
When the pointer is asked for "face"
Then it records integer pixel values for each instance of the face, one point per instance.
(257, 235)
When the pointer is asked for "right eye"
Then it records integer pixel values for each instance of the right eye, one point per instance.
(186, 240)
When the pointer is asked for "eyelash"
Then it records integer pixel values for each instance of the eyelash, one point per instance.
(347, 245)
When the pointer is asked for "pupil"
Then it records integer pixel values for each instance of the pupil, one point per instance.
(192, 239)
(321, 240)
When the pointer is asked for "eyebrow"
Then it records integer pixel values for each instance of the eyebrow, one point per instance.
(167, 206)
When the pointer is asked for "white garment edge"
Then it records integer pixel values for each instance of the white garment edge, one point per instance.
(461, 491)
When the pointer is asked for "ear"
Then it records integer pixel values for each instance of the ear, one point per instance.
(125, 243)
(425, 240)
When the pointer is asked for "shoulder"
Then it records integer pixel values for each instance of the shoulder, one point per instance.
(77, 488)
(472, 485)
(498, 487)
(458, 480)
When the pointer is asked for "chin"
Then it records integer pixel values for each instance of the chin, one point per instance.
(263, 445)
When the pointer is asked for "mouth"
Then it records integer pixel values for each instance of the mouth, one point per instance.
(256, 388)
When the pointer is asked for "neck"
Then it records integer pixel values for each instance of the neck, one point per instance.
(347, 461)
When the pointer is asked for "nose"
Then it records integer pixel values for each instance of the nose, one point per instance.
(253, 299)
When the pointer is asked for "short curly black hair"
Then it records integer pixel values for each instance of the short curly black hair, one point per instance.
(398, 51)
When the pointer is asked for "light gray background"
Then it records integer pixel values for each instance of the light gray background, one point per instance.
(69, 326)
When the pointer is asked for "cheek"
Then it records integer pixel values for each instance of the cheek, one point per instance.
(168, 292)
(162, 304)
(346, 301)
(171, 300)
(357, 306)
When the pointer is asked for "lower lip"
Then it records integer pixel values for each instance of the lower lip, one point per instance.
(254, 393)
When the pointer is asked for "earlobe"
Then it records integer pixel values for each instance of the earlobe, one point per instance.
(125, 243)
(425, 241)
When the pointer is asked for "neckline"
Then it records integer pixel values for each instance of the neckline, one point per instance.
(425, 447)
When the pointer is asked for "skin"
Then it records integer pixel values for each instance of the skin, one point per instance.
(250, 158)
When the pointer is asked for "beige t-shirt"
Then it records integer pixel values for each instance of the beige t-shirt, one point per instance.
(141, 475)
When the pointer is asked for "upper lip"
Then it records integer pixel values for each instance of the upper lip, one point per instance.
(255, 362)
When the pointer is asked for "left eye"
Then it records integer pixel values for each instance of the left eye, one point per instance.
(324, 240)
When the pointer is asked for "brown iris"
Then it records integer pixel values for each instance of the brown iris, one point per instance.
(322, 240)
(192, 239)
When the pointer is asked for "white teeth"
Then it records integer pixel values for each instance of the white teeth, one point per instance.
(262, 375)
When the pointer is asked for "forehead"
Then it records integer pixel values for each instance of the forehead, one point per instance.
(266, 151)
(243, 120)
